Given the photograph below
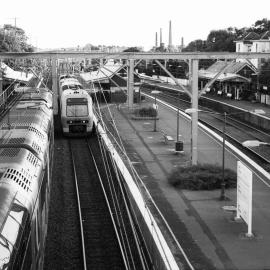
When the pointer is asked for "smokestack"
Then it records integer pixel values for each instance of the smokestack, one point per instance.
(156, 44)
(170, 37)
(160, 37)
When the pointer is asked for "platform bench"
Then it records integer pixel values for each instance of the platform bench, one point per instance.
(167, 138)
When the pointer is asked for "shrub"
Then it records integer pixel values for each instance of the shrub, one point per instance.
(146, 112)
(202, 177)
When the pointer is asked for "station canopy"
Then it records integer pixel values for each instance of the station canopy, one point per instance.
(104, 73)
(231, 73)
(10, 74)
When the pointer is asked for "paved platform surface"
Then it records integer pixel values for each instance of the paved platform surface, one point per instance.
(208, 233)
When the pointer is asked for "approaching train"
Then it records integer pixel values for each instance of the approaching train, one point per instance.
(26, 153)
(76, 108)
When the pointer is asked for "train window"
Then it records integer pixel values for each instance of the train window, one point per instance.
(77, 110)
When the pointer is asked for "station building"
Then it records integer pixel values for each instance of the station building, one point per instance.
(242, 79)
(235, 82)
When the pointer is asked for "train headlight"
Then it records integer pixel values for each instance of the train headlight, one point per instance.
(69, 122)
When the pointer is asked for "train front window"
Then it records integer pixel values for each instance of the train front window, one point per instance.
(77, 110)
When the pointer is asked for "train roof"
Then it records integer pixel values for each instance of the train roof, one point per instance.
(35, 142)
(26, 114)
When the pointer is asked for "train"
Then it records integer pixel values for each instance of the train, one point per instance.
(26, 156)
(76, 108)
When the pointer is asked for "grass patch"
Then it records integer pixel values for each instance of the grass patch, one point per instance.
(146, 112)
(202, 177)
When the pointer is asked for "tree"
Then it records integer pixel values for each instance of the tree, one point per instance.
(14, 39)
(132, 49)
(221, 40)
(264, 78)
(196, 46)
(261, 26)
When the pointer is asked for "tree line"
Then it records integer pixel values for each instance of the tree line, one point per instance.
(14, 39)
(224, 40)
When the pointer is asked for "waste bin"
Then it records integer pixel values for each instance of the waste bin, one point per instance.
(179, 146)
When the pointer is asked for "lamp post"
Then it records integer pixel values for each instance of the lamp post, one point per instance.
(222, 185)
(177, 125)
(155, 93)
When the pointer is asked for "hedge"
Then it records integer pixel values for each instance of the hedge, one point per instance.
(202, 177)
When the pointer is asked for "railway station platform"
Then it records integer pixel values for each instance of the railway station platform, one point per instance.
(204, 226)
(244, 104)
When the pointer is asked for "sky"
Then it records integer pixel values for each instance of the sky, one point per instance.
(65, 23)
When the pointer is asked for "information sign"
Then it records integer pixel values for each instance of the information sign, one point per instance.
(244, 195)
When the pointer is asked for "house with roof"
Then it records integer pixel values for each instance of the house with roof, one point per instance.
(233, 82)
(253, 42)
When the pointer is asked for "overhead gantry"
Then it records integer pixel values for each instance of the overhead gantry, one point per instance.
(191, 57)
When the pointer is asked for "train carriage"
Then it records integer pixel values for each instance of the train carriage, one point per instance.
(76, 113)
(26, 152)
(69, 83)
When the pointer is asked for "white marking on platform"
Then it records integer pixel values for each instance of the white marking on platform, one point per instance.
(146, 123)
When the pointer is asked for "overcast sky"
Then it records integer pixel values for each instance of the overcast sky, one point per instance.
(65, 23)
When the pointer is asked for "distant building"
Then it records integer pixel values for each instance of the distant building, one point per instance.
(234, 82)
(253, 42)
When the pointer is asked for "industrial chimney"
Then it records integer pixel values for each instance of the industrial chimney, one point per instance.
(170, 37)
(160, 37)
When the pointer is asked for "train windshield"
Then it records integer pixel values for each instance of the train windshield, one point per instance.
(77, 110)
(72, 87)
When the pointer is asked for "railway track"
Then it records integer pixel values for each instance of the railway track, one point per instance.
(105, 230)
(236, 131)
(100, 248)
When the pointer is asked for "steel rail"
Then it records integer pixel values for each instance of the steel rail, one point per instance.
(108, 205)
(79, 209)
(237, 142)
